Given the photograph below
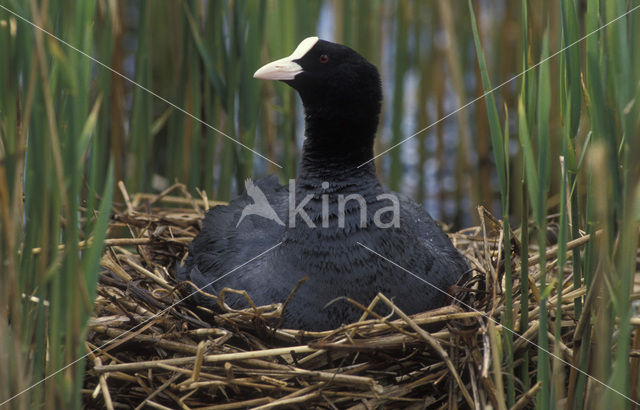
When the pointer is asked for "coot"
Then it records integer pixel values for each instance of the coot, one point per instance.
(312, 226)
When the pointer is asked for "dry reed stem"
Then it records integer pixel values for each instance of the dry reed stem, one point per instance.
(528, 397)
(433, 343)
(104, 387)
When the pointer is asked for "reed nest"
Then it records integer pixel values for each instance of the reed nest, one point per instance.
(148, 350)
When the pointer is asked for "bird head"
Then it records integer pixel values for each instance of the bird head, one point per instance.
(335, 83)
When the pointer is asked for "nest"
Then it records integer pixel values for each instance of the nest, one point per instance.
(146, 349)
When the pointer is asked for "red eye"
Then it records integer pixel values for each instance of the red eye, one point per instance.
(324, 58)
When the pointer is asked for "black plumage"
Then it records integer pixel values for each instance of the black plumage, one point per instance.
(341, 94)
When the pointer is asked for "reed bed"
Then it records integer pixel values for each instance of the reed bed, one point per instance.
(146, 348)
(547, 140)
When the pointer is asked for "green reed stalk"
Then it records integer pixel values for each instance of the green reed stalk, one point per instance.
(52, 105)
(397, 102)
(500, 145)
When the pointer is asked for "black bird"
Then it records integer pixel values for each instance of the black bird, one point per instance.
(322, 227)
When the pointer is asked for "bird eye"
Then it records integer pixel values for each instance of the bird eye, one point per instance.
(324, 58)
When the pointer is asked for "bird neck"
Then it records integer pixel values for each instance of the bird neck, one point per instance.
(337, 145)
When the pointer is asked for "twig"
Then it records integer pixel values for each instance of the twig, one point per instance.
(175, 200)
(434, 344)
(287, 399)
(104, 386)
(150, 364)
(157, 391)
(553, 251)
(528, 397)
(198, 362)
(160, 281)
(125, 196)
